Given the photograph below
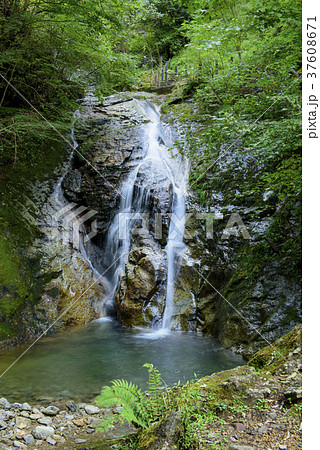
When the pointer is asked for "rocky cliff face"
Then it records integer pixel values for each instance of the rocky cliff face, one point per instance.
(249, 289)
(112, 141)
(220, 288)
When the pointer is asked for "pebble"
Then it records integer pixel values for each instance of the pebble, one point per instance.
(51, 411)
(91, 409)
(19, 444)
(42, 432)
(45, 421)
(239, 426)
(36, 416)
(240, 447)
(23, 422)
(262, 429)
(4, 402)
(93, 422)
(282, 447)
(3, 424)
(51, 441)
(25, 407)
(17, 405)
(80, 441)
(79, 422)
(28, 439)
(273, 415)
(71, 405)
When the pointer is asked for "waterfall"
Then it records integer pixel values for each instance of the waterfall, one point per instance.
(173, 248)
(134, 200)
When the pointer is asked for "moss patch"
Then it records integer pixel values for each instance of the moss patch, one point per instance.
(273, 357)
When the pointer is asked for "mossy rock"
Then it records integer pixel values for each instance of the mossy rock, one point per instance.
(274, 356)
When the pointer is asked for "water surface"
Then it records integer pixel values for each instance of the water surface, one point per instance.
(76, 363)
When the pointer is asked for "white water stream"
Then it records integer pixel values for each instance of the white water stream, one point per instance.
(158, 159)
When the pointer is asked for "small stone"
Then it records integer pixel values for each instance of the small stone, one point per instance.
(28, 439)
(262, 429)
(36, 416)
(93, 422)
(239, 426)
(17, 405)
(3, 424)
(51, 411)
(282, 447)
(22, 422)
(72, 406)
(273, 415)
(240, 447)
(82, 405)
(4, 402)
(51, 441)
(45, 420)
(107, 412)
(24, 414)
(79, 422)
(91, 409)
(42, 432)
(80, 441)
(19, 434)
(19, 444)
(25, 407)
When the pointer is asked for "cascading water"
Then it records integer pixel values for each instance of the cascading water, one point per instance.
(134, 202)
(77, 362)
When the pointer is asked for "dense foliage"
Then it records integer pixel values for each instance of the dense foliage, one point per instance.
(239, 63)
(243, 67)
(51, 52)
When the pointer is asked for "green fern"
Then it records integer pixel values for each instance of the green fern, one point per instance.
(157, 392)
(137, 407)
